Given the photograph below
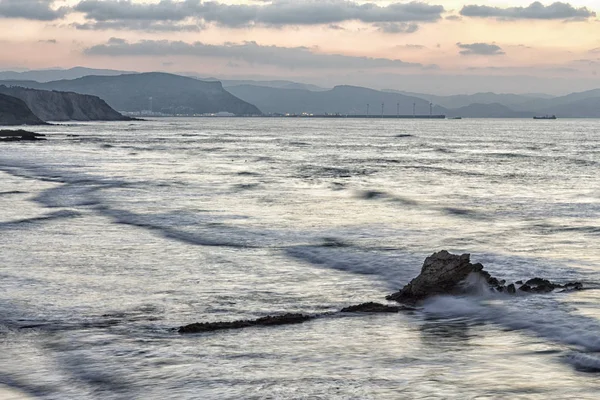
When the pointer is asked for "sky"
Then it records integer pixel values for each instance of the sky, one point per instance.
(434, 46)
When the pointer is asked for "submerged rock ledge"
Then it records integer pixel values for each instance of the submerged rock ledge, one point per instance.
(442, 273)
(285, 319)
(7, 135)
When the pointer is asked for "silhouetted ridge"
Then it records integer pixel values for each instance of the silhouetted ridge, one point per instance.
(64, 106)
(14, 111)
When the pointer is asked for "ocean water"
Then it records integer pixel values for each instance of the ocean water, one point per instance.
(114, 234)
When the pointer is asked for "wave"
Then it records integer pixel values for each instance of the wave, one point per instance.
(584, 362)
(316, 171)
(541, 316)
(63, 214)
(12, 192)
(393, 270)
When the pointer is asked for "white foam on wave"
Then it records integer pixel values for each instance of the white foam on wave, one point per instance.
(542, 316)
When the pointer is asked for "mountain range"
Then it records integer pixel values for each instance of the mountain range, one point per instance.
(176, 95)
(350, 100)
(339, 100)
(48, 75)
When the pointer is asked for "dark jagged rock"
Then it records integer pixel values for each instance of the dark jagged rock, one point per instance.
(19, 135)
(374, 308)
(285, 319)
(539, 285)
(441, 274)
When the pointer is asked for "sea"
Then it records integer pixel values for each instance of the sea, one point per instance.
(112, 235)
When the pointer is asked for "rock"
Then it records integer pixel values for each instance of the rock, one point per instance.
(540, 285)
(19, 135)
(285, 319)
(374, 308)
(525, 288)
(511, 289)
(441, 274)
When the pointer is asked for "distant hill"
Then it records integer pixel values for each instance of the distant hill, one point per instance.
(274, 84)
(339, 100)
(14, 111)
(47, 75)
(494, 110)
(463, 100)
(568, 101)
(167, 93)
(64, 106)
(583, 108)
(491, 105)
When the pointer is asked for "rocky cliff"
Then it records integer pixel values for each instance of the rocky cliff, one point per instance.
(14, 111)
(154, 91)
(64, 106)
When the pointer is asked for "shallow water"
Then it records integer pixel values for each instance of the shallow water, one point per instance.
(112, 234)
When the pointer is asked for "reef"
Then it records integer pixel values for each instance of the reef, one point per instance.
(442, 273)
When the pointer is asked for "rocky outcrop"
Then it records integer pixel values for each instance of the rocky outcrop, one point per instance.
(20, 135)
(441, 274)
(446, 273)
(64, 106)
(14, 111)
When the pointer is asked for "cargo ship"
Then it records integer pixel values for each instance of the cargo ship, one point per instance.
(545, 117)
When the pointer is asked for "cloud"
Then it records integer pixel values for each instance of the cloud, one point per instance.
(48, 41)
(536, 10)
(149, 26)
(249, 52)
(483, 49)
(39, 10)
(277, 13)
(395, 27)
(411, 47)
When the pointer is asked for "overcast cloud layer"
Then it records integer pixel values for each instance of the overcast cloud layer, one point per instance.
(558, 10)
(250, 52)
(397, 17)
(277, 14)
(31, 9)
(285, 38)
